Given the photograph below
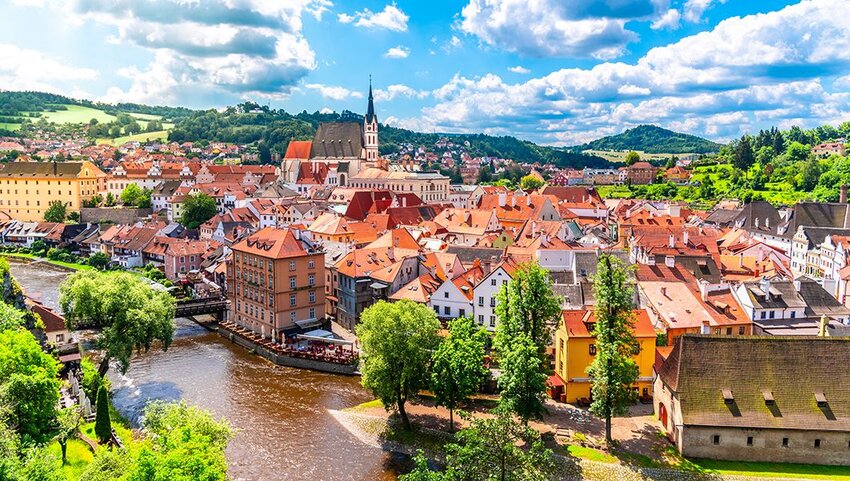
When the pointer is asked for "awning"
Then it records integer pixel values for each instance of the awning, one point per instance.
(554, 380)
(308, 323)
(319, 333)
(378, 285)
(329, 340)
(74, 356)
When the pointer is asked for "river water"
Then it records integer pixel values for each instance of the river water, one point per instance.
(280, 415)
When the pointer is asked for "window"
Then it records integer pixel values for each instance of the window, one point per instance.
(492, 282)
(311, 280)
(784, 442)
(480, 318)
(793, 314)
(447, 310)
(446, 294)
(292, 265)
(763, 314)
(728, 331)
(772, 314)
(311, 264)
(312, 313)
(481, 301)
(292, 282)
(817, 443)
(312, 296)
(741, 330)
(461, 312)
(717, 331)
(292, 316)
(292, 300)
(749, 440)
(492, 321)
(715, 439)
(492, 302)
(591, 349)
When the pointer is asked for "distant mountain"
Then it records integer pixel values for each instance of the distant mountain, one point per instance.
(653, 140)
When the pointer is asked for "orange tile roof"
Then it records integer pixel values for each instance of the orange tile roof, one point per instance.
(579, 323)
(272, 242)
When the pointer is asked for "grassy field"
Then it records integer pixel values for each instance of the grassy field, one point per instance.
(78, 456)
(6, 126)
(617, 156)
(77, 114)
(142, 137)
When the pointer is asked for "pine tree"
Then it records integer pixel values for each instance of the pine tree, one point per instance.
(102, 423)
(744, 156)
(613, 370)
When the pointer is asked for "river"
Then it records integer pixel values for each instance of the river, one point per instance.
(280, 415)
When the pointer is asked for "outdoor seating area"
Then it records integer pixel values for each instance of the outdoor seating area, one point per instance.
(317, 345)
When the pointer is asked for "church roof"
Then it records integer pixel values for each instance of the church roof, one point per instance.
(338, 140)
(298, 149)
(370, 110)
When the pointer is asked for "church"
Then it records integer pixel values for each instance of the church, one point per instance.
(338, 151)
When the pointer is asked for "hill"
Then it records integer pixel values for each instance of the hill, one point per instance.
(652, 139)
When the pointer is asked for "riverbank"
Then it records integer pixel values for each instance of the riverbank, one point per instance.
(578, 459)
(33, 257)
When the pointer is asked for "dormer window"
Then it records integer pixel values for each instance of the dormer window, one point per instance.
(821, 399)
(727, 396)
(768, 398)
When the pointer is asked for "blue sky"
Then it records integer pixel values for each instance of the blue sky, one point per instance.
(556, 72)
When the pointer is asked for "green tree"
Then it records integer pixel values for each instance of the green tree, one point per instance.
(109, 201)
(129, 313)
(10, 317)
(264, 153)
(56, 212)
(744, 157)
(458, 365)
(632, 157)
(132, 128)
(523, 379)
(810, 176)
(197, 209)
(530, 182)
(99, 260)
(67, 426)
(29, 384)
(492, 449)
(186, 444)
(396, 341)
(613, 369)
(484, 175)
(92, 380)
(527, 305)
(108, 465)
(797, 152)
(132, 195)
(102, 423)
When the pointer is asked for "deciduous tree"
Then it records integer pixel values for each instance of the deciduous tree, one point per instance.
(56, 212)
(197, 209)
(613, 370)
(458, 365)
(396, 342)
(67, 425)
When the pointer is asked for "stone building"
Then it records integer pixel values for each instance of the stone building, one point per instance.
(774, 399)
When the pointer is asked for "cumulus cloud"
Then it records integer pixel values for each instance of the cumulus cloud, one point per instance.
(543, 28)
(390, 18)
(695, 8)
(242, 47)
(762, 67)
(670, 20)
(398, 52)
(520, 70)
(334, 92)
(398, 90)
(25, 69)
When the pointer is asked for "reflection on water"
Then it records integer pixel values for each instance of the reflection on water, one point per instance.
(283, 429)
(39, 280)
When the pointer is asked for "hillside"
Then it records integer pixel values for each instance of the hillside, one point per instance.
(653, 140)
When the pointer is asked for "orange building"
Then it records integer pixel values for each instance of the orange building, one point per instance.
(276, 282)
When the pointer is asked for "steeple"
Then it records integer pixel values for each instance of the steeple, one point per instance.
(370, 110)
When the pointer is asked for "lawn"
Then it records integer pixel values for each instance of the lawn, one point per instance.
(772, 470)
(78, 456)
(142, 137)
(69, 265)
(77, 114)
(6, 126)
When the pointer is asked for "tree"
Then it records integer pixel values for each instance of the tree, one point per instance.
(132, 128)
(797, 152)
(132, 195)
(99, 260)
(197, 209)
(484, 175)
(67, 425)
(523, 379)
(186, 444)
(102, 423)
(744, 156)
(74, 216)
(396, 341)
(811, 175)
(458, 365)
(631, 158)
(613, 369)
(56, 212)
(29, 384)
(530, 182)
(129, 313)
(265, 154)
(492, 449)
(10, 318)
(109, 201)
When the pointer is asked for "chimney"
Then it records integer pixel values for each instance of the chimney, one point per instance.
(706, 328)
(685, 237)
(757, 222)
(822, 329)
(842, 196)
(741, 260)
(503, 198)
(403, 201)
(671, 243)
(797, 284)
(703, 290)
(767, 222)
(533, 229)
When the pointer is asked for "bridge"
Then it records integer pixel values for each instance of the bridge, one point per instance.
(217, 306)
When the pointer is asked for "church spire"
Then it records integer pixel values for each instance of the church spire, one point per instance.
(370, 110)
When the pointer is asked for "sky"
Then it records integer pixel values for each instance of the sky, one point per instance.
(557, 72)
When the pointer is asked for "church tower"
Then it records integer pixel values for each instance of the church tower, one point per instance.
(370, 130)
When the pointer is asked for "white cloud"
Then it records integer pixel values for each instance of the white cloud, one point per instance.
(670, 20)
(520, 70)
(452, 44)
(334, 92)
(398, 90)
(243, 47)
(695, 8)
(326, 110)
(762, 67)
(397, 52)
(26, 69)
(543, 28)
(390, 18)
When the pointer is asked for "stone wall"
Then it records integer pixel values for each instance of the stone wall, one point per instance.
(698, 442)
(113, 215)
(311, 364)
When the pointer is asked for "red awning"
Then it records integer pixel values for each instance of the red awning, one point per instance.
(554, 380)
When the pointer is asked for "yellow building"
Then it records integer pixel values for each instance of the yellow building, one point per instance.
(575, 348)
(28, 188)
